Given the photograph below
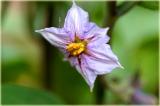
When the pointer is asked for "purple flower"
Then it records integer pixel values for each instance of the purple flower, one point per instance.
(83, 44)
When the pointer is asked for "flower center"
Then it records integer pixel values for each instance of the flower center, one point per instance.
(76, 48)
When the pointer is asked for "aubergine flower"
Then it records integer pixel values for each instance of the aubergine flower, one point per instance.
(83, 44)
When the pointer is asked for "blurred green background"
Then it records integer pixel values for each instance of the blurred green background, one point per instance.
(33, 71)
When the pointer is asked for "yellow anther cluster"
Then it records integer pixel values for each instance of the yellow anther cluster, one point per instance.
(75, 48)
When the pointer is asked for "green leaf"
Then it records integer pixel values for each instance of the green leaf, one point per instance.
(153, 5)
(15, 94)
(125, 7)
(13, 63)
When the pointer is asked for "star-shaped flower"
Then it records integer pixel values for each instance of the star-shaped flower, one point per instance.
(83, 44)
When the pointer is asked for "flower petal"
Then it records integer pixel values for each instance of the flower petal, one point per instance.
(101, 59)
(86, 73)
(96, 35)
(75, 21)
(56, 36)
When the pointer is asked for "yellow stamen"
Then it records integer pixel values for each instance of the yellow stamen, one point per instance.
(76, 48)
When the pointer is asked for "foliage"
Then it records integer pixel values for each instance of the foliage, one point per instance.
(15, 94)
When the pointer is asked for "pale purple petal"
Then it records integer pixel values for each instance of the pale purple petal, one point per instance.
(89, 76)
(75, 21)
(73, 60)
(56, 36)
(82, 68)
(96, 35)
(101, 59)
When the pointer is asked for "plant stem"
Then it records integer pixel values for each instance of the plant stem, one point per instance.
(48, 53)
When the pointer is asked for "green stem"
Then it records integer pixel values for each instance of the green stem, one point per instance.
(48, 53)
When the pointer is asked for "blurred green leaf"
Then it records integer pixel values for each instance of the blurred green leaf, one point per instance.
(148, 56)
(15, 94)
(125, 7)
(13, 63)
(153, 5)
